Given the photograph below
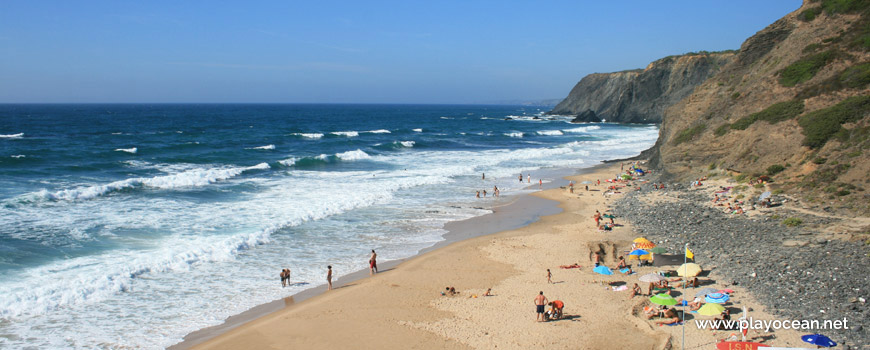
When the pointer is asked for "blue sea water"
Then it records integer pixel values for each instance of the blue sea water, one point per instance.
(130, 226)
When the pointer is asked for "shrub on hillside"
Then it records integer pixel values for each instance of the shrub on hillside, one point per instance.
(805, 68)
(809, 14)
(743, 123)
(819, 126)
(855, 77)
(775, 169)
(722, 129)
(688, 134)
(778, 112)
(792, 222)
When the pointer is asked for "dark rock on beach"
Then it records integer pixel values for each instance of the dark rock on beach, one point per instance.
(818, 279)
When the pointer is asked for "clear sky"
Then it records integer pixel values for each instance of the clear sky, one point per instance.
(348, 51)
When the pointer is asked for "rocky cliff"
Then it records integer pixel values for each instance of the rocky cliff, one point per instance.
(641, 95)
(793, 104)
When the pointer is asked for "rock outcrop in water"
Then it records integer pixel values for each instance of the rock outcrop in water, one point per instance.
(641, 95)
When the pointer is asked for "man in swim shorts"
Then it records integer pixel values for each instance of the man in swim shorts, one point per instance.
(540, 301)
(373, 263)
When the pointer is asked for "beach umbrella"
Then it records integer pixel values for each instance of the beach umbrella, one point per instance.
(663, 299)
(705, 291)
(717, 298)
(604, 270)
(658, 250)
(641, 240)
(764, 196)
(638, 252)
(689, 270)
(819, 340)
(711, 309)
(652, 278)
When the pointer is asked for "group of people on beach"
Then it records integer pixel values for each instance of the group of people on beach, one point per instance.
(373, 269)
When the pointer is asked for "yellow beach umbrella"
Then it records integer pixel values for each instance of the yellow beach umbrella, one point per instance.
(689, 270)
(711, 309)
(643, 243)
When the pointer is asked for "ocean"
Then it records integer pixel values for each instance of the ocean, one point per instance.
(130, 226)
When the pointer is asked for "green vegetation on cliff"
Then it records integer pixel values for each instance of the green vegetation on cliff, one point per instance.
(819, 126)
(773, 114)
(805, 68)
(688, 134)
(854, 77)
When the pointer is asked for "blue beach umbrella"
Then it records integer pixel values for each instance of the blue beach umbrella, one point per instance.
(819, 340)
(717, 298)
(604, 270)
(638, 252)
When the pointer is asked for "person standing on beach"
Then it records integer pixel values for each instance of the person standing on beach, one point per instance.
(540, 301)
(329, 277)
(521, 177)
(373, 263)
(549, 276)
(483, 176)
(540, 184)
(529, 178)
(283, 277)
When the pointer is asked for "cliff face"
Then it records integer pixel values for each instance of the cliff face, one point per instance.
(793, 105)
(642, 95)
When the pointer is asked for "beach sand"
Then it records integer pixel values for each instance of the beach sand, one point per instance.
(402, 307)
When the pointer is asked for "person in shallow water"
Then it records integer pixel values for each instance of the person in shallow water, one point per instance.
(373, 263)
(329, 277)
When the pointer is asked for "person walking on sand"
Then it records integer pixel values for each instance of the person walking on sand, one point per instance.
(597, 217)
(549, 276)
(373, 263)
(540, 301)
(329, 277)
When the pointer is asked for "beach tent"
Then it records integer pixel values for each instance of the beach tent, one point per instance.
(670, 259)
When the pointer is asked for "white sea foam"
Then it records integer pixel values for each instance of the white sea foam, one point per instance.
(18, 156)
(346, 133)
(407, 144)
(308, 135)
(266, 147)
(289, 161)
(583, 129)
(380, 131)
(353, 155)
(128, 150)
(12, 136)
(418, 130)
(193, 178)
(550, 132)
(514, 134)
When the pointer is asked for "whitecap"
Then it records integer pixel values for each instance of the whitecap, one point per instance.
(514, 134)
(346, 133)
(266, 147)
(18, 156)
(128, 150)
(380, 131)
(308, 135)
(550, 132)
(193, 178)
(418, 130)
(408, 144)
(353, 155)
(583, 129)
(12, 136)
(289, 161)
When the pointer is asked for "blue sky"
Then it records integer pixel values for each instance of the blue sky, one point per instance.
(348, 52)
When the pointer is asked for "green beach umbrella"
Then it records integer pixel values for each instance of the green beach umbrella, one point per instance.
(711, 309)
(658, 250)
(663, 299)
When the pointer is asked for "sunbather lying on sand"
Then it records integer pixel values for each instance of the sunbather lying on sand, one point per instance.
(670, 317)
(572, 266)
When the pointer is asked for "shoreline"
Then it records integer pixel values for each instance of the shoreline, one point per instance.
(502, 218)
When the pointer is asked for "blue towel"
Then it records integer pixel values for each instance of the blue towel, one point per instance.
(625, 270)
(675, 324)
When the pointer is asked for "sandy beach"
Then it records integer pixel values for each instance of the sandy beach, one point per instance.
(402, 307)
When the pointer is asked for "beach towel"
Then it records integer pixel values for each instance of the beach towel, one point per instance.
(625, 270)
(675, 324)
(620, 288)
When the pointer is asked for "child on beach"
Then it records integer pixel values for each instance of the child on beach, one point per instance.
(329, 277)
(549, 276)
